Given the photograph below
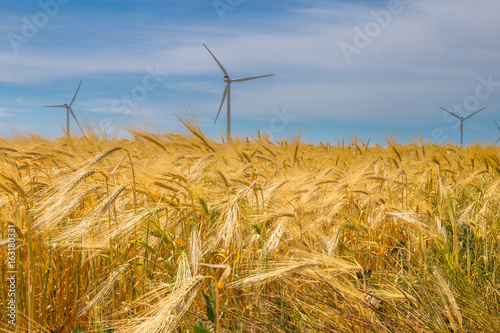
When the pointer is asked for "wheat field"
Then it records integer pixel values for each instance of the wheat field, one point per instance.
(181, 233)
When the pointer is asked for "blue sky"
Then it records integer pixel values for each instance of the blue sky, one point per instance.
(374, 69)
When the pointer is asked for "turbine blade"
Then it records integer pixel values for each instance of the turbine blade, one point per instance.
(497, 140)
(250, 78)
(451, 113)
(220, 65)
(474, 113)
(497, 125)
(74, 117)
(223, 99)
(75, 95)
(54, 106)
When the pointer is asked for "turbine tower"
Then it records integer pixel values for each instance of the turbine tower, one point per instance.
(461, 123)
(227, 92)
(68, 111)
(499, 130)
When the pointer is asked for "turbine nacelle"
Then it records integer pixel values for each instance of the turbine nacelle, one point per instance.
(227, 92)
(68, 111)
(462, 122)
(462, 118)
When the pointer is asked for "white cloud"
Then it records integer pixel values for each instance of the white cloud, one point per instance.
(6, 112)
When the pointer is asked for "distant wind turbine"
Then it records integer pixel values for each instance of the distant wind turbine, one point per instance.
(227, 92)
(462, 122)
(68, 111)
(499, 130)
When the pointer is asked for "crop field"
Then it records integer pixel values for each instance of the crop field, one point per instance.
(181, 233)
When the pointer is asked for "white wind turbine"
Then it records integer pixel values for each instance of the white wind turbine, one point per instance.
(68, 111)
(227, 92)
(462, 122)
(499, 130)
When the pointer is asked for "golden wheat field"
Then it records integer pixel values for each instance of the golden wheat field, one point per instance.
(180, 233)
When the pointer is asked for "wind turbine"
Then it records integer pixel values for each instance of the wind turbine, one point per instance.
(227, 92)
(68, 111)
(499, 130)
(462, 122)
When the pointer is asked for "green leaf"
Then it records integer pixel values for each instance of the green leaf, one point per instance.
(204, 206)
(342, 248)
(210, 308)
(105, 257)
(199, 329)
(78, 329)
(144, 245)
